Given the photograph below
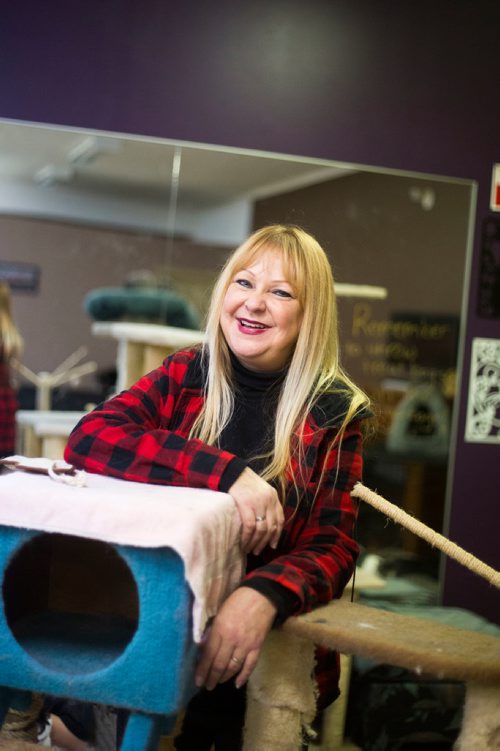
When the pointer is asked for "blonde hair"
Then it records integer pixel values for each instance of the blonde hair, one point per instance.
(11, 343)
(314, 367)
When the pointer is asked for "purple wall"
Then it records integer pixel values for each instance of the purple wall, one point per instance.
(402, 85)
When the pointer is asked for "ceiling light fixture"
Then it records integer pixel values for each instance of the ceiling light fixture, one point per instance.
(51, 173)
(425, 197)
(92, 147)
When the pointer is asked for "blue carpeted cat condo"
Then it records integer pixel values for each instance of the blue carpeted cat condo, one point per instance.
(106, 589)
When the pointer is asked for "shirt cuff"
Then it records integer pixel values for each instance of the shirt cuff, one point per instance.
(231, 474)
(285, 601)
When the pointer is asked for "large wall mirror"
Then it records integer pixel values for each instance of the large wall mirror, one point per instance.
(82, 211)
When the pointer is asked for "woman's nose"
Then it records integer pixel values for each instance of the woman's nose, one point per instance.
(255, 300)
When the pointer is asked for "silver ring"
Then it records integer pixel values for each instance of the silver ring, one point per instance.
(260, 518)
(235, 659)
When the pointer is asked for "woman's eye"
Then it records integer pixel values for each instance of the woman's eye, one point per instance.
(242, 282)
(281, 293)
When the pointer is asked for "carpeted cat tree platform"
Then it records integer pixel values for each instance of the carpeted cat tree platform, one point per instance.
(281, 692)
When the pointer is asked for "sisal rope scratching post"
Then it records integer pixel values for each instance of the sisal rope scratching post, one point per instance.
(435, 539)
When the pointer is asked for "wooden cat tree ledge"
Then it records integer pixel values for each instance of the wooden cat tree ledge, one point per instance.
(281, 692)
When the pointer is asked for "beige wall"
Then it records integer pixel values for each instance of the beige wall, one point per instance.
(75, 259)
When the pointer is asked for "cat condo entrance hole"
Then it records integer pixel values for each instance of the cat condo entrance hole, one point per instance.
(71, 603)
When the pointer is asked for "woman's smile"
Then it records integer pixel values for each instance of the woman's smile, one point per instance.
(251, 327)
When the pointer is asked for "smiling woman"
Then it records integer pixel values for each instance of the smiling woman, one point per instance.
(264, 412)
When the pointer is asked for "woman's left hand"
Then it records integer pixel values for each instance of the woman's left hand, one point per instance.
(233, 641)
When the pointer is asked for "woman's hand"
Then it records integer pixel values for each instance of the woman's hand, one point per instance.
(260, 510)
(233, 641)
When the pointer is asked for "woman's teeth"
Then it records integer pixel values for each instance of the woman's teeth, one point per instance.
(250, 325)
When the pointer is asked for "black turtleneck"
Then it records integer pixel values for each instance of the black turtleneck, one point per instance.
(250, 432)
(248, 435)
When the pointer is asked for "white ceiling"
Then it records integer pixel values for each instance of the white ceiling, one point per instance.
(116, 164)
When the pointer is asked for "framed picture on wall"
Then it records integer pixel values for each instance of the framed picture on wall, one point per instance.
(483, 407)
(19, 275)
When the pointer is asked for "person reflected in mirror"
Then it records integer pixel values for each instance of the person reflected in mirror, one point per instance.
(11, 345)
(264, 411)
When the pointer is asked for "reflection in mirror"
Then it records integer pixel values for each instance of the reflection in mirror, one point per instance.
(90, 215)
(407, 234)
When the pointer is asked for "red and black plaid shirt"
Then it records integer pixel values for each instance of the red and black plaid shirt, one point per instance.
(8, 407)
(142, 435)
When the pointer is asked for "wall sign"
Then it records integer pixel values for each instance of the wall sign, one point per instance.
(483, 407)
(410, 346)
(20, 276)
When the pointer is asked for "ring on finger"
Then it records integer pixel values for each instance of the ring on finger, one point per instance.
(235, 659)
(260, 518)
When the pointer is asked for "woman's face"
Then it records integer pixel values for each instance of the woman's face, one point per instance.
(261, 315)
